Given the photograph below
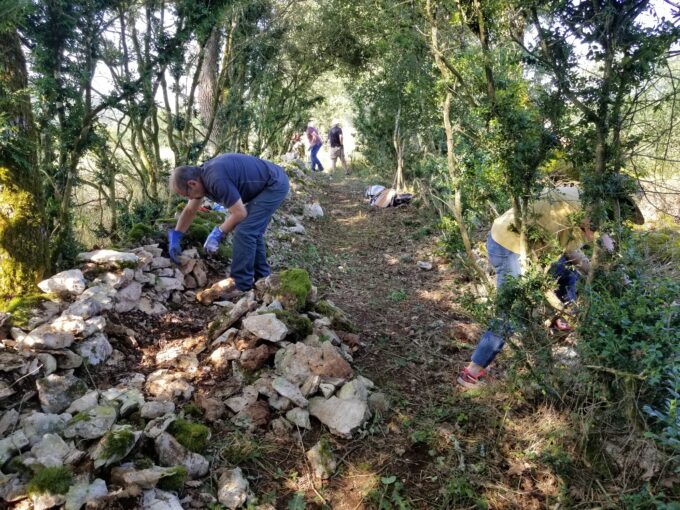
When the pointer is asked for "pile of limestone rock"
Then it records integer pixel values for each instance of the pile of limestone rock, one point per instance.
(274, 359)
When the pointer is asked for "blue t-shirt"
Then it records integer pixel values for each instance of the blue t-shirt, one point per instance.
(228, 177)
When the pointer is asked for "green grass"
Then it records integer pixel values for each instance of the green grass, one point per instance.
(242, 447)
(397, 295)
(51, 480)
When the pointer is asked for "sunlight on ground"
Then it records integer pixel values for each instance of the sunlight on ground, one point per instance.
(354, 486)
(538, 440)
(539, 428)
(353, 220)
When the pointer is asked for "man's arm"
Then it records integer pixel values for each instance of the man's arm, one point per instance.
(342, 140)
(237, 213)
(188, 214)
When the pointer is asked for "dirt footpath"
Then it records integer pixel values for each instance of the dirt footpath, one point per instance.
(436, 446)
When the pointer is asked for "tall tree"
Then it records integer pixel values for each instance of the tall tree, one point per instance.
(22, 224)
(624, 42)
(66, 38)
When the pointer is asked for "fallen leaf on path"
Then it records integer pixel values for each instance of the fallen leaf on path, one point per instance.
(517, 467)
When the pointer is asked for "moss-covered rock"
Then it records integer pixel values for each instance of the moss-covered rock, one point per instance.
(143, 463)
(224, 252)
(192, 409)
(21, 307)
(298, 325)
(118, 442)
(51, 480)
(175, 480)
(77, 418)
(77, 390)
(294, 287)
(193, 436)
(124, 264)
(213, 217)
(198, 231)
(16, 465)
(115, 446)
(339, 319)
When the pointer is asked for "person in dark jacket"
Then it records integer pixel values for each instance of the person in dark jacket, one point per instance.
(337, 145)
(251, 189)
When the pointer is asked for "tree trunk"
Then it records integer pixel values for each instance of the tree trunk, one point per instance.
(456, 207)
(207, 87)
(23, 247)
(398, 142)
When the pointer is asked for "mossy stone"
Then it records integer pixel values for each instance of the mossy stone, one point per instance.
(225, 252)
(193, 436)
(298, 325)
(77, 390)
(125, 264)
(198, 231)
(51, 480)
(81, 416)
(210, 216)
(175, 480)
(192, 409)
(16, 465)
(21, 307)
(339, 320)
(325, 449)
(143, 463)
(117, 443)
(294, 286)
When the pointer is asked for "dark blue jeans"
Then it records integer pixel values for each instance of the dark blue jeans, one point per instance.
(566, 278)
(249, 254)
(506, 263)
(315, 160)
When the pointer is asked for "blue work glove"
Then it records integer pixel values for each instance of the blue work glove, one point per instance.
(174, 249)
(213, 241)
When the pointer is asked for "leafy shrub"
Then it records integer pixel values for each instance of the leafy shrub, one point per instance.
(668, 418)
(522, 301)
(135, 222)
(144, 212)
(450, 241)
(632, 327)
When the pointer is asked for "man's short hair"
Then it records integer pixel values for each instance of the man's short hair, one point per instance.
(182, 175)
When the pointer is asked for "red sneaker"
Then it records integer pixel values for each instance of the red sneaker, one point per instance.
(561, 324)
(465, 378)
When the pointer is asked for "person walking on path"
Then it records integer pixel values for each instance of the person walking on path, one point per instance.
(251, 189)
(315, 143)
(337, 146)
(553, 213)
